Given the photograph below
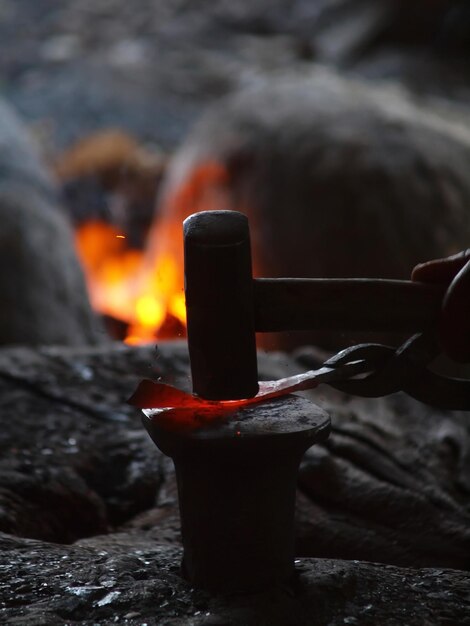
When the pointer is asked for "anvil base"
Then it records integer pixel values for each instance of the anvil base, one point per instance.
(236, 485)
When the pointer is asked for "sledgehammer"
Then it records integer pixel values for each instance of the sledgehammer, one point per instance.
(226, 306)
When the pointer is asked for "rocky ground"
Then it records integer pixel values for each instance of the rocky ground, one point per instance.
(136, 582)
(89, 516)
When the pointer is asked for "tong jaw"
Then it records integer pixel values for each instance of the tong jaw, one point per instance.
(403, 369)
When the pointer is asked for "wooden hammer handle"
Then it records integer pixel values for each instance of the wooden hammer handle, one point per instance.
(359, 304)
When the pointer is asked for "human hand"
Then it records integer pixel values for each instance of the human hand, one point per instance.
(454, 322)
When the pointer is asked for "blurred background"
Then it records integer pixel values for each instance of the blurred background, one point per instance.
(341, 127)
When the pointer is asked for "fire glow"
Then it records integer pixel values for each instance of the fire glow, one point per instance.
(145, 289)
(122, 286)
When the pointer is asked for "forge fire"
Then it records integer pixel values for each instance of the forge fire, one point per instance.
(150, 300)
(143, 286)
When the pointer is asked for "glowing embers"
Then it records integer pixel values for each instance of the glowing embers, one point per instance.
(150, 300)
(144, 288)
(110, 267)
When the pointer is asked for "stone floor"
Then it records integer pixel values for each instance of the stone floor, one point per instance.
(89, 518)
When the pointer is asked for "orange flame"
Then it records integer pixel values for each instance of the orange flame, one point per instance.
(145, 289)
(109, 267)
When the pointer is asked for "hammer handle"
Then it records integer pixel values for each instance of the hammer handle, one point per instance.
(358, 304)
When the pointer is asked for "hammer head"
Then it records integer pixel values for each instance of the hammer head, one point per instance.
(219, 305)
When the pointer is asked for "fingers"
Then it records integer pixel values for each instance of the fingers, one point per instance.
(454, 324)
(441, 270)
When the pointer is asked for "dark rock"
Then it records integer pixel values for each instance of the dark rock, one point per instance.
(390, 485)
(134, 583)
(384, 457)
(152, 69)
(109, 177)
(75, 460)
(44, 300)
(338, 178)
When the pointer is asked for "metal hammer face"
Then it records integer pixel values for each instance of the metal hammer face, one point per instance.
(219, 304)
